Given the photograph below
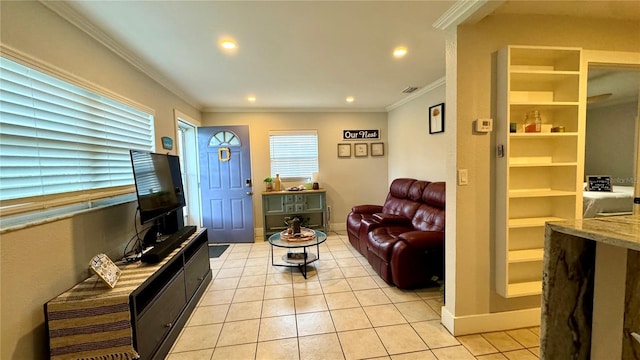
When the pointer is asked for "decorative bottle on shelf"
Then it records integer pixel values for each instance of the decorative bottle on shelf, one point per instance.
(277, 183)
(533, 122)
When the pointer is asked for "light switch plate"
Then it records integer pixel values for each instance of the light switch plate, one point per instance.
(463, 177)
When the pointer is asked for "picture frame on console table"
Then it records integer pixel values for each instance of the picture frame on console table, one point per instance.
(436, 119)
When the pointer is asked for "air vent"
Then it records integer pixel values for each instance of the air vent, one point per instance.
(409, 89)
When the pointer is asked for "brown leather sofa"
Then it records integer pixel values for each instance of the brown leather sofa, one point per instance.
(403, 239)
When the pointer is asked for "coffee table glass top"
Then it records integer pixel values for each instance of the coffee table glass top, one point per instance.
(276, 241)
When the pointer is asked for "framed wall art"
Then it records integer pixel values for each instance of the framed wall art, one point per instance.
(436, 119)
(344, 150)
(361, 149)
(377, 149)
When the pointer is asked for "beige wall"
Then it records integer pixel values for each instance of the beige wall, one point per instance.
(474, 219)
(348, 181)
(413, 151)
(40, 262)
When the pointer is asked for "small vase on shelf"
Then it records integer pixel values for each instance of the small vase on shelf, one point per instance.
(277, 183)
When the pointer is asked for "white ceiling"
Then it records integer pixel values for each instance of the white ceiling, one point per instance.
(291, 54)
(296, 55)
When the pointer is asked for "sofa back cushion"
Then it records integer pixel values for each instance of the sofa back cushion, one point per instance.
(398, 200)
(430, 214)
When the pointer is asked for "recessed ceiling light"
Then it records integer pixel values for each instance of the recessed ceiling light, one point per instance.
(349, 99)
(228, 44)
(400, 51)
(251, 98)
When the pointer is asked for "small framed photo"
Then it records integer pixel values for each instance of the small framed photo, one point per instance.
(106, 269)
(377, 149)
(361, 149)
(599, 183)
(344, 150)
(436, 119)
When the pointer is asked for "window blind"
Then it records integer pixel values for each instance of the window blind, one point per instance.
(294, 154)
(56, 137)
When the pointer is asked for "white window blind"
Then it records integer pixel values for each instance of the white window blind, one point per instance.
(56, 137)
(294, 154)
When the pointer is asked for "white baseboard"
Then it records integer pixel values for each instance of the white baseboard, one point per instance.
(506, 320)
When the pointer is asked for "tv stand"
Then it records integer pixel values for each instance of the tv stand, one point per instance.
(159, 298)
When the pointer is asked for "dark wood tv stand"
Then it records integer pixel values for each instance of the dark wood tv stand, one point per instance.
(161, 297)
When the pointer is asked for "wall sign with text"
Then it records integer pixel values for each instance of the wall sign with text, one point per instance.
(598, 183)
(360, 134)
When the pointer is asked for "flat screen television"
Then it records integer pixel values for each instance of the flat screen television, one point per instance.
(158, 184)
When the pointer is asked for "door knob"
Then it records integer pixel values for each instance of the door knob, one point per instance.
(249, 192)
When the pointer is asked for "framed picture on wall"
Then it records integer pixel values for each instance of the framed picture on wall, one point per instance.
(344, 150)
(361, 149)
(377, 149)
(436, 119)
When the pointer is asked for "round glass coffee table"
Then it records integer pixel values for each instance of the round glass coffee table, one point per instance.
(298, 259)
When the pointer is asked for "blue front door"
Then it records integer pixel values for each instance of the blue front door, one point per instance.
(225, 183)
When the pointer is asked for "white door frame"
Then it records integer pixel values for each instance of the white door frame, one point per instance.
(187, 149)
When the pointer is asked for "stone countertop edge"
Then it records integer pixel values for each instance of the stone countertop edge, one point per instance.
(622, 231)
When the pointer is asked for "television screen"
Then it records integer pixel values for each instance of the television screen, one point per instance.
(155, 184)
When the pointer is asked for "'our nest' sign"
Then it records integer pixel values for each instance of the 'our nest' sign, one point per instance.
(360, 134)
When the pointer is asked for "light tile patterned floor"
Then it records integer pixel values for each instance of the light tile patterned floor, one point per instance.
(343, 310)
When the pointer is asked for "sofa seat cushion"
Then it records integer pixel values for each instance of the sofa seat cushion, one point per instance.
(381, 240)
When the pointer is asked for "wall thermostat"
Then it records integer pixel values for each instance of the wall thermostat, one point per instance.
(484, 125)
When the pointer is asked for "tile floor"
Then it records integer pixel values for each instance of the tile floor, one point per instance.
(343, 310)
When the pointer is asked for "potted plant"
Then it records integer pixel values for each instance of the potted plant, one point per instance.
(268, 183)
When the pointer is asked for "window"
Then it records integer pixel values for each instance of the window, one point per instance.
(56, 137)
(294, 154)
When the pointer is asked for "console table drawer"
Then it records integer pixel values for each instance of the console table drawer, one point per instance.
(160, 316)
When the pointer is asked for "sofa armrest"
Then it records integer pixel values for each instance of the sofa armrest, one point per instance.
(391, 219)
(423, 239)
(367, 225)
(366, 209)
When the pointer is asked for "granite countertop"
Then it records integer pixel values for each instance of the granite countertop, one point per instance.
(623, 231)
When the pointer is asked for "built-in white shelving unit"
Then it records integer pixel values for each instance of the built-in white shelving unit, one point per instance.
(539, 178)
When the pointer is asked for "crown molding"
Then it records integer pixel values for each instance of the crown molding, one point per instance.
(466, 10)
(424, 90)
(74, 17)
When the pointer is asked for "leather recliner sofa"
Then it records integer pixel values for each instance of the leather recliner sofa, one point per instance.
(403, 239)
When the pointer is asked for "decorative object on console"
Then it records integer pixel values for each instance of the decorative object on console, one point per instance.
(268, 183)
(277, 184)
(436, 118)
(106, 270)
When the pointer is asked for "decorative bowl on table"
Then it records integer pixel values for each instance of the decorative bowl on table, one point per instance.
(305, 234)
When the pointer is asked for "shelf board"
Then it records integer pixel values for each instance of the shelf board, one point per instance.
(543, 164)
(541, 135)
(529, 193)
(528, 255)
(532, 222)
(538, 73)
(524, 288)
